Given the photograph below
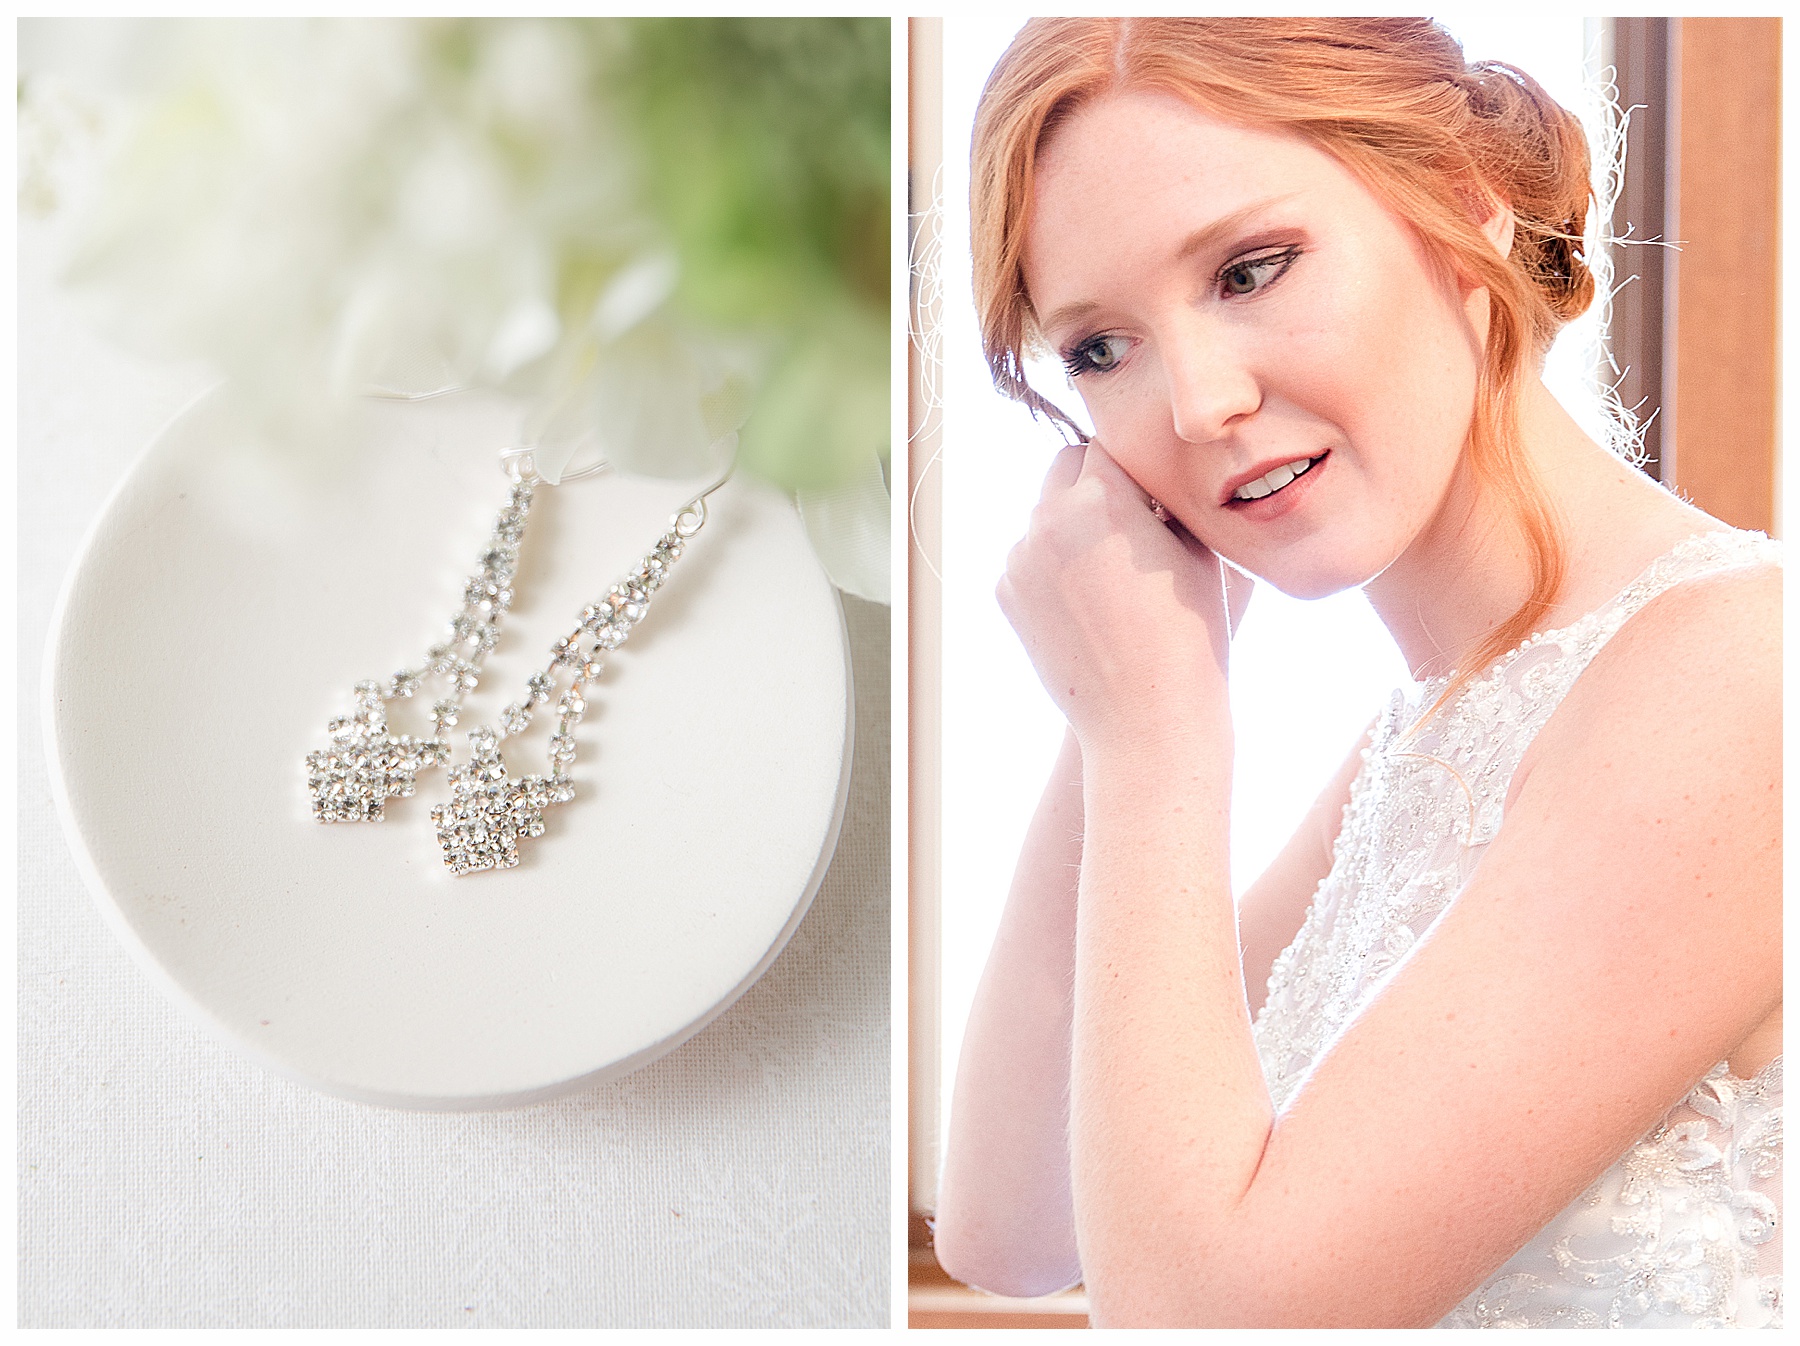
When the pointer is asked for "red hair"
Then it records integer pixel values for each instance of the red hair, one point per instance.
(1439, 141)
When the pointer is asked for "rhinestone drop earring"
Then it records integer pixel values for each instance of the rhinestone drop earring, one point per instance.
(365, 763)
(490, 811)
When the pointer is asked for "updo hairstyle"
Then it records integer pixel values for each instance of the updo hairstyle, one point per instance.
(1440, 143)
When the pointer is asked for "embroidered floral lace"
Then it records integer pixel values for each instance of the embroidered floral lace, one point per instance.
(1684, 1229)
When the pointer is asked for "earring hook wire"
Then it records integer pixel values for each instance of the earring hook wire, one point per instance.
(691, 517)
(517, 461)
(518, 464)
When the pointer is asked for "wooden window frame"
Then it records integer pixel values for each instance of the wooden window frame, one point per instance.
(1695, 322)
(1721, 339)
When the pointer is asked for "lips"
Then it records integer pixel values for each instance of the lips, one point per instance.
(1268, 479)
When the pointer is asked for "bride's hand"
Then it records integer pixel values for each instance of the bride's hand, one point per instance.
(1124, 617)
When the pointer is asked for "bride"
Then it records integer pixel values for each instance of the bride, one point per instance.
(1496, 1039)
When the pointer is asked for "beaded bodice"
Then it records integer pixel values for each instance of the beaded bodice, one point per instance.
(1682, 1229)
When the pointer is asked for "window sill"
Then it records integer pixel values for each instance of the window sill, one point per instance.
(934, 1300)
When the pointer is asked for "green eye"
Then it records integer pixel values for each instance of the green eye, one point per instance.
(1241, 279)
(1254, 273)
(1097, 355)
(1106, 352)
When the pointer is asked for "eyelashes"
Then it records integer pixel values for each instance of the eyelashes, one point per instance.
(1097, 355)
(1247, 275)
(1237, 279)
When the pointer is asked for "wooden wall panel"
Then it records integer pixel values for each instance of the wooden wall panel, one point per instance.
(1726, 75)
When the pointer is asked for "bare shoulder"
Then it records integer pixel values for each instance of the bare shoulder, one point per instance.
(1658, 779)
(1714, 625)
(1721, 620)
(1699, 665)
(1659, 775)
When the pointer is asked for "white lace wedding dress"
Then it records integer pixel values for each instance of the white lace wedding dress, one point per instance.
(1684, 1229)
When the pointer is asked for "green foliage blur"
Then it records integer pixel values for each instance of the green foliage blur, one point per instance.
(651, 232)
(765, 148)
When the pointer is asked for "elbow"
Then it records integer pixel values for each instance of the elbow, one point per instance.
(1002, 1266)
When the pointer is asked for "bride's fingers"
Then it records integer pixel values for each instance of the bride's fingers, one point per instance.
(1099, 463)
(1065, 468)
(1235, 584)
(1187, 539)
(1202, 554)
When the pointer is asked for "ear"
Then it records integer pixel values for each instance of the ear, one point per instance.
(1498, 225)
(1497, 222)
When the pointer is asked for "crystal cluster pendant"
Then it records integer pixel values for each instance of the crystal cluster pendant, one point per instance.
(365, 764)
(489, 811)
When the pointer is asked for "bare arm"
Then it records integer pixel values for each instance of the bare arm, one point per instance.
(1487, 1084)
(1005, 1215)
(1004, 1218)
(1620, 936)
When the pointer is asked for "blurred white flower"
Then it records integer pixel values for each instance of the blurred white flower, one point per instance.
(336, 207)
(849, 527)
(331, 208)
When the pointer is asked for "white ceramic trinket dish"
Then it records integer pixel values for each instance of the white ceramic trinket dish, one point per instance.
(220, 612)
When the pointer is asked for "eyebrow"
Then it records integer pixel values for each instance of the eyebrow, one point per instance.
(1201, 240)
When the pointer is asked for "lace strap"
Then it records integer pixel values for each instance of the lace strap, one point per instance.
(1691, 558)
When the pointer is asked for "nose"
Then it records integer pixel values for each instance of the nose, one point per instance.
(1210, 383)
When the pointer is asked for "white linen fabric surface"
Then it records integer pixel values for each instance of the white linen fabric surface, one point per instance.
(165, 1182)
(1683, 1230)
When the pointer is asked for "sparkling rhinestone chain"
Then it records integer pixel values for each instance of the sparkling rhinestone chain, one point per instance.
(365, 763)
(488, 811)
